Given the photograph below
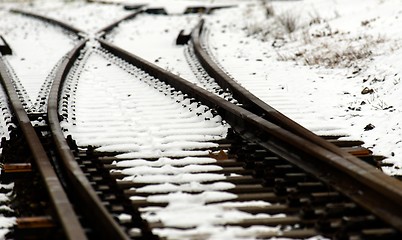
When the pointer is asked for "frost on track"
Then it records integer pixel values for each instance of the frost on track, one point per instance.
(156, 42)
(170, 170)
(318, 73)
(7, 221)
(37, 47)
(176, 179)
(161, 136)
(186, 187)
(5, 119)
(130, 112)
(166, 161)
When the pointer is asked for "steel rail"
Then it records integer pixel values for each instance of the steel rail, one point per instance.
(66, 26)
(101, 32)
(103, 221)
(264, 110)
(367, 180)
(106, 227)
(249, 100)
(64, 210)
(104, 224)
(363, 183)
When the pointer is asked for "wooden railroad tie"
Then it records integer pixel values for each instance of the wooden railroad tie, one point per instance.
(11, 171)
(17, 168)
(35, 222)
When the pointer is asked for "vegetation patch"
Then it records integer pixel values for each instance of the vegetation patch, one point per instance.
(336, 52)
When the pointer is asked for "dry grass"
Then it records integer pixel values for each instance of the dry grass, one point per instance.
(273, 25)
(330, 57)
(312, 40)
(289, 21)
(333, 52)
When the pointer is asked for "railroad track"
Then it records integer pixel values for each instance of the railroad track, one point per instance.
(49, 132)
(264, 179)
(305, 146)
(57, 196)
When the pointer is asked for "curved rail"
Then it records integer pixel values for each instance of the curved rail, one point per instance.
(66, 26)
(262, 109)
(255, 104)
(101, 32)
(64, 211)
(360, 182)
(103, 222)
(250, 101)
(356, 179)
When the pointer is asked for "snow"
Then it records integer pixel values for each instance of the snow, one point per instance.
(336, 73)
(88, 17)
(178, 178)
(6, 222)
(245, 204)
(31, 65)
(202, 198)
(212, 232)
(30, 41)
(150, 115)
(165, 161)
(189, 187)
(321, 68)
(179, 213)
(124, 218)
(145, 113)
(325, 97)
(5, 120)
(157, 44)
(167, 169)
(161, 33)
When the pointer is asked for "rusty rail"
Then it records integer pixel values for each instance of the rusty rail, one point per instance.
(103, 222)
(101, 32)
(354, 178)
(64, 210)
(267, 112)
(66, 26)
(250, 101)
(359, 181)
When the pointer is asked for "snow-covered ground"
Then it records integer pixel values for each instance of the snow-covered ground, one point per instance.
(145, 121)
(79, 14)
(341, 63)
(335, 61)
(37, 48)
(330, 65)
(157, 42)
(141, 120)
